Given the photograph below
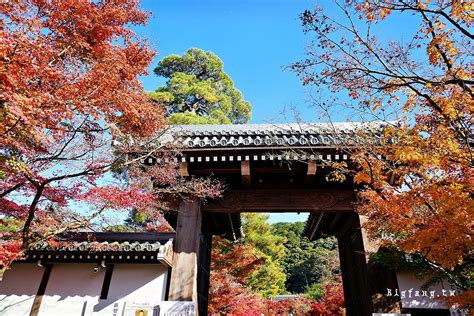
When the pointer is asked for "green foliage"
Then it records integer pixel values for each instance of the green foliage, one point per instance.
(135, 222)
(187, 118)
(314, 291)
(259, 232)
(398, 260)
(139, 218)
(8, 224)
(293, 264)
(120, 228)
(268, 279)
(306, 263)
(198, 85)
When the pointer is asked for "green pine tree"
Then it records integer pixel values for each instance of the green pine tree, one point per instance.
(198, 91)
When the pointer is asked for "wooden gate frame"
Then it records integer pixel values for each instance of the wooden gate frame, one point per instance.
(267, 168)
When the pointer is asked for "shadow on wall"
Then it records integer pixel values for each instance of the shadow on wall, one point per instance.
(76, 287)
(5, 305)
(21, 279)
(139, 282)
(18, 289)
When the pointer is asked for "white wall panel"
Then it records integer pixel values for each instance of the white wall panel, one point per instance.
(412, 295)
(18, 289)
(133, 283)
(73, 289)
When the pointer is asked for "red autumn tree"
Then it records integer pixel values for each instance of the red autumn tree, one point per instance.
(68, 88)
(331, 303)
(289, 306)
(417, 179)
(231, 264)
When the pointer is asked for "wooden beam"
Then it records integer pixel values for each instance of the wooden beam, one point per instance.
(204, 273)
(237, 201)
(316, 225)
(245, 171)
(183, 169)
(310, 173)
(106, 284)
(393, 177)
(207, 171)
(41, 290)
(183, 284)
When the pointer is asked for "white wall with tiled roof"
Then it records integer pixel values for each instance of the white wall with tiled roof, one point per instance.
(75, 289)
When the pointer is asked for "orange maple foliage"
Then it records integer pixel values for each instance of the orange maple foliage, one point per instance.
(69, 88)
(417, 179)
(331, 303)
(231, 263)
(289, 306)
(65, 61)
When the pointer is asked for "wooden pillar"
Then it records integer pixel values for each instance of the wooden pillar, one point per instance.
(204, 273)
(41, 290)
(184, 276)
(357, 294)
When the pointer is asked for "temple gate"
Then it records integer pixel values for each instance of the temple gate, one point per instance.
(267, 168)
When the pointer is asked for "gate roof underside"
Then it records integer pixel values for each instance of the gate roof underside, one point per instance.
(270, 168)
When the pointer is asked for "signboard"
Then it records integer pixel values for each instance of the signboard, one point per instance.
(141, 309)
(164, 308)
(176, 308)
(389, 314)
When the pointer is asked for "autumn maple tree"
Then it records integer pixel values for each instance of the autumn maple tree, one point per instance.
(331, 303)
(69, 89)
(231, 265)
(417, 178)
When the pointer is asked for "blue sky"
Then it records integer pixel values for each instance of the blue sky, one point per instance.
(256, 39)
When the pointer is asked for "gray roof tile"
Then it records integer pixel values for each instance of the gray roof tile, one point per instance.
(259, 135)
(107, 242)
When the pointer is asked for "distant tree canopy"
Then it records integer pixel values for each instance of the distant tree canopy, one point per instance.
(270, 260)
(198, 91)
(306, 264)
(269, 278)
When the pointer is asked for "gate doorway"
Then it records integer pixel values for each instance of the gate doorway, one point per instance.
(267, 168)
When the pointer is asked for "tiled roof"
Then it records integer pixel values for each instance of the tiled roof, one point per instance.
(266, 135)
(108, 246)
(104, 245)
(95, 246)
(106, 242)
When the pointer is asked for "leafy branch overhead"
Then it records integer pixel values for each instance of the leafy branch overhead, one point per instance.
(69, 89)
(419, 197)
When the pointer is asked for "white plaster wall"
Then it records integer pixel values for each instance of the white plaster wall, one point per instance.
(73, 289)
(18, 289)
(408, 281)
(140, 283)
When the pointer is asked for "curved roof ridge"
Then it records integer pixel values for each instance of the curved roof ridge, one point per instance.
(265, 135)
(278, 126)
